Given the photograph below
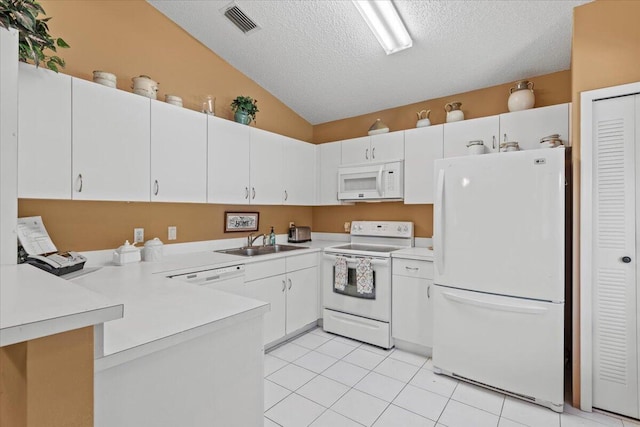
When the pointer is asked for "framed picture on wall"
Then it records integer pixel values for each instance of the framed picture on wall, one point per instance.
(241, 221)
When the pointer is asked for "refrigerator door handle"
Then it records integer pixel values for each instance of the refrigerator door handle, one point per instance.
(438, 217)
(526, 309)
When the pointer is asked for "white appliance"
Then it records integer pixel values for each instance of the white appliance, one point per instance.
(364, 316)
(229, 279)
(371, 181)
(499, 272)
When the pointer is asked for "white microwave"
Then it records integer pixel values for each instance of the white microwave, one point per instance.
(371, 182)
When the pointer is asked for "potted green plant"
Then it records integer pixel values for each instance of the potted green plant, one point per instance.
(33, 32)
(245, 109)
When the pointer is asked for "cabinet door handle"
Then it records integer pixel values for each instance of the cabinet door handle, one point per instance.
(428, 291)
(412, 268)
(505, 138)
(80, 183)
(253, 192)
(156, 187)
(373, 153)
(494, 142)
(286, 195)
(246, 192)
(366, 154)
(626, 259)
(284, 285)
(289, 284)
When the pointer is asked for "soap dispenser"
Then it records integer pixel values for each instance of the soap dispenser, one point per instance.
(272, 237)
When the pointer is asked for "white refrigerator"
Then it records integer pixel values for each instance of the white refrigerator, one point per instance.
(499, 272)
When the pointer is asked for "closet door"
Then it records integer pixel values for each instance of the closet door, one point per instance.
(615, 328)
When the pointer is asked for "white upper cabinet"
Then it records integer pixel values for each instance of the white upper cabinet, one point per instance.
(267, 164)
(299, 172)
(229, 156)
(44, 133)
(421, 146)
(458, 134)
(377, 148)
(527, 127)
(328, 160)
(178, 154)
(387, 146)
(356, 150)
(111, 143)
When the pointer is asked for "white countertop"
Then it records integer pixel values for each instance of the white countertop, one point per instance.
(34, 304)
(160, 312)
(421, 254)
(157, 311)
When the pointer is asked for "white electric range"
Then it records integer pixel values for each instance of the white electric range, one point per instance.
(348, 310)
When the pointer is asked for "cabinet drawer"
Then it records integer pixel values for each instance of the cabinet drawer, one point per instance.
(300, 262)
(413, 268)
(259, 270)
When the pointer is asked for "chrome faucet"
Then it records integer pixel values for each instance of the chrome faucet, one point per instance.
(251, 239)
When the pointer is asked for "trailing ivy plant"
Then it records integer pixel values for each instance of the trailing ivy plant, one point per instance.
(245, 104)
(33, 32)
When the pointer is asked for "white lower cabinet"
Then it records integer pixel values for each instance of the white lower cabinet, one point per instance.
(290, 286)
(411, 307)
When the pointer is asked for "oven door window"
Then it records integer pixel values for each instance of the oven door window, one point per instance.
(351, 289)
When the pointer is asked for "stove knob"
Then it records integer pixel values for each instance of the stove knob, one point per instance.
(406, 228)
(399, 228)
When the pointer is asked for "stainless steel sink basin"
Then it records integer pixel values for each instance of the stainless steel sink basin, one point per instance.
(260, 250)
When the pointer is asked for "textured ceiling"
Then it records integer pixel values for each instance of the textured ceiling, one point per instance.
(320, 58)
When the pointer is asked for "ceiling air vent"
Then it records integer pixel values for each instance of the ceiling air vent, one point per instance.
(239, 18)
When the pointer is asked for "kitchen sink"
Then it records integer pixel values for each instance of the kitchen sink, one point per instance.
(261, 250)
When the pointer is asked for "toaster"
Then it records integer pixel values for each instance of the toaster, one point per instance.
(299, 234)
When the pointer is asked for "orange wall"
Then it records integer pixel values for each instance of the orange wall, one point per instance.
(129, 38)
(48, 381)
(550, 89)
(605, 52)
(84, 225)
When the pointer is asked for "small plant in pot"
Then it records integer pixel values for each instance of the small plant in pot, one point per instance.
(245, 109)
(33, 32)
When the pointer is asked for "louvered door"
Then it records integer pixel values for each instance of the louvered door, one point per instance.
(615, 307)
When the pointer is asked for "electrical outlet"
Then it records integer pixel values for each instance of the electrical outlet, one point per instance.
(172, 232)
(347, 227)
(138, 235)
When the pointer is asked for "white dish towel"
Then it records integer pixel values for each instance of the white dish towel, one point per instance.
(364, 276)
(340, 273)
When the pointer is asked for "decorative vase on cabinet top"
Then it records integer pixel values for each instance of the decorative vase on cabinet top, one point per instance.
(242, 117)
(378, 127)
(423, 118)
(145, 86)
(454, 113)
(521, 96)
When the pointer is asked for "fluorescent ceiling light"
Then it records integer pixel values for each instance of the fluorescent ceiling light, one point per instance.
(384, 21)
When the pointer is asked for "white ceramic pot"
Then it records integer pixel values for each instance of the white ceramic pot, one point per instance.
(475, 147)
(145, 86)
(522, 97)
(454, 113)
(173, 100)
(153, 250)
(104, 78)
(509, 146)
(126, 254)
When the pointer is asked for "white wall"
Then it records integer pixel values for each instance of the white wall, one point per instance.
(8, 145)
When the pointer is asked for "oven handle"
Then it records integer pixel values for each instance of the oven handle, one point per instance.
(352, 259)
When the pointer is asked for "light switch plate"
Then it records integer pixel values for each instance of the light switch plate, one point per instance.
(138, 235)
(347, 227)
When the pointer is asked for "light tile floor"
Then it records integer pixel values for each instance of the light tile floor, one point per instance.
(320, 379)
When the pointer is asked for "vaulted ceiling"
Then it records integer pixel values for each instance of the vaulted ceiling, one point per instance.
(320, 58)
